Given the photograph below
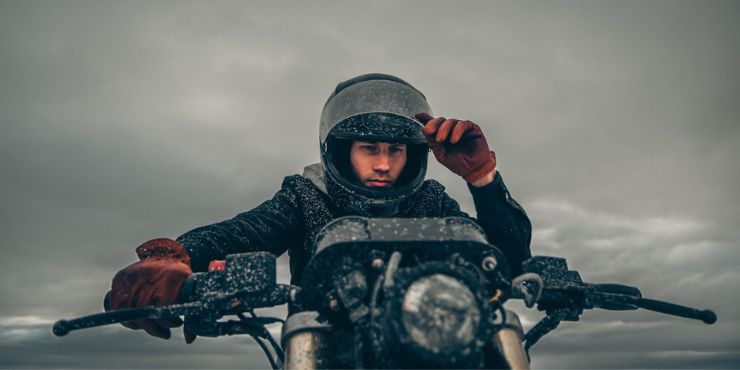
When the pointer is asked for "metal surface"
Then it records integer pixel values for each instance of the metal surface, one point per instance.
(508, 340)
(306, 320)
(356, 229)
(305, 341)
(307, 349)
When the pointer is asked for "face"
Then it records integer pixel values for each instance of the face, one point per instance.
(377, 164)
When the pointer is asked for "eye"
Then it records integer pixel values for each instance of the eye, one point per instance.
(397, 149)
(370, 148)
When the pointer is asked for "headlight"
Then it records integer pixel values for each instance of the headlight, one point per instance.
(440, 313)
(438, 317)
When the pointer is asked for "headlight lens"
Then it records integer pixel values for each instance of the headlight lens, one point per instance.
(440, 313)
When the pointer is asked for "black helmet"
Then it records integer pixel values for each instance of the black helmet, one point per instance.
(372, 107)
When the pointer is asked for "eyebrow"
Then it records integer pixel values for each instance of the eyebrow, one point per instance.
(375, 143)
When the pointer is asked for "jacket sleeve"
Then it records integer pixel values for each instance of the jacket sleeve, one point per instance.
(502, 218)
(272, 227)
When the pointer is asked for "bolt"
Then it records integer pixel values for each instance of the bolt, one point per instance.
(460, 260)
(334, 304)
(293, 295)
(489, 263)
(377, 263)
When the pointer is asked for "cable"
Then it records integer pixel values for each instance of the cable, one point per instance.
(259, 341)
(275, 345)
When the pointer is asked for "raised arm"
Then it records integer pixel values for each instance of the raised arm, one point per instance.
(461, 146)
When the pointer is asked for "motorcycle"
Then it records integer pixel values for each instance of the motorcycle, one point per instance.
(390, 293)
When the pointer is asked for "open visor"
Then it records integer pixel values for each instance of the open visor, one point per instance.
(379, 108)
(387, 127)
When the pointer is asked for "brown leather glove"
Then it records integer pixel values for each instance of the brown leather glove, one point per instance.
(153, 281)
(459, 145)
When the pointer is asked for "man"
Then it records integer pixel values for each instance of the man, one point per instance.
(373, 161)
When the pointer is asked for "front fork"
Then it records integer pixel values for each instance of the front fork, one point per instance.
(307, 346)
(508, 342)
(306, 342)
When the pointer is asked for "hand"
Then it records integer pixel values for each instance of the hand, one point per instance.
(460, 146)
(153, 281)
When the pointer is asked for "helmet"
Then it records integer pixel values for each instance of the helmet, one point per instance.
(372, 107)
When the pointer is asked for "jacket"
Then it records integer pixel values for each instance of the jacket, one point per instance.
(293, 217)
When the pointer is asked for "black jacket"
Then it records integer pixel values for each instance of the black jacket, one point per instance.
(293, 217)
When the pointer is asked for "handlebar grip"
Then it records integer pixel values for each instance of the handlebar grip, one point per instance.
(707, 316)
(187, 289)
(62, 327)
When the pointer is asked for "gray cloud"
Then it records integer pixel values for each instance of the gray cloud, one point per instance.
(117, 348)
(615, 124)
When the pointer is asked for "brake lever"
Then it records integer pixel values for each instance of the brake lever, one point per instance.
(63, 327)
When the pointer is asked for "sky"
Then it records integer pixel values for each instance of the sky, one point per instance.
(616, 126)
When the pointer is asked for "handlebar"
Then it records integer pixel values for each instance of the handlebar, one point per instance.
(247, 282)
(707, 316)
(62, 327)
(564, 290)
(565, 296)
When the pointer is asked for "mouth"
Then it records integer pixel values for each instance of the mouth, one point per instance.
(378, 183)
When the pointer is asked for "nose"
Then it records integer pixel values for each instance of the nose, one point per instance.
(382, 163)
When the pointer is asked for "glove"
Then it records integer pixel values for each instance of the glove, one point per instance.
(153, 281)
(459, 145)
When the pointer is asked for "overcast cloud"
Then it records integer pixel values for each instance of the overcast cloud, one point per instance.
(616, 126)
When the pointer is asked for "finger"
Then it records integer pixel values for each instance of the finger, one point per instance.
(141, 298)
(118, 301)
(460, 129)
(432, 126)
(154, 329)
(444, 129)
(120, 291)
(423, 117)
